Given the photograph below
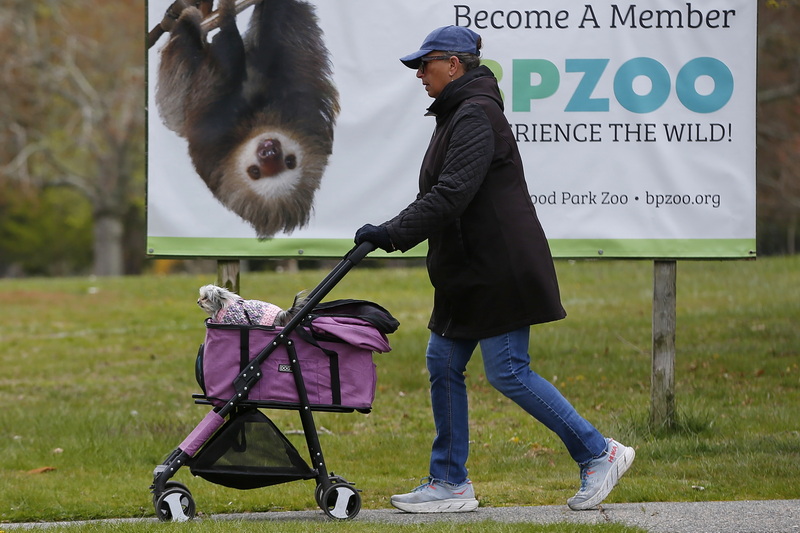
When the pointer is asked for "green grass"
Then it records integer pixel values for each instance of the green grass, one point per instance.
(96, 377)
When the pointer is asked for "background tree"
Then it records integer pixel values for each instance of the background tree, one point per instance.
(778, 129)
(74, 112)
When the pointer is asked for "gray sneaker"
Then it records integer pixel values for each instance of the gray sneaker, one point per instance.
(600, 475)
(437, 497)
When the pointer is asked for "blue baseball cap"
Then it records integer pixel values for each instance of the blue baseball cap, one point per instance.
(446, 39)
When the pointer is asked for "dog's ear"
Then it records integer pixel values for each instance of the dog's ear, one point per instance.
(206, 290)
(217, 295)
(299, 300)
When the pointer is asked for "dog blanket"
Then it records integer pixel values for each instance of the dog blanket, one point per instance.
(252, 312)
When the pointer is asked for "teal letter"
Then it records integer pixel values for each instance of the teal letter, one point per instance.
(629, 71)
(704, 66)
(523, 91)
(582, 98)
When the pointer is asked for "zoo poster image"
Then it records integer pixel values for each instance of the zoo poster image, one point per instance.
(635, 121)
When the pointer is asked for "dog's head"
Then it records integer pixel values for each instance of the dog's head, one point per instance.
(213, 299)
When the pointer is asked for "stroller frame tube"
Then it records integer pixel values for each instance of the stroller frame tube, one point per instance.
(252, 374)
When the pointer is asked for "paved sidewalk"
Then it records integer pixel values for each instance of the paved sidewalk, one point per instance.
(768, 516)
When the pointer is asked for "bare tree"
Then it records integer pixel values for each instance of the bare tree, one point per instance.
(74, 115)
(779, 118)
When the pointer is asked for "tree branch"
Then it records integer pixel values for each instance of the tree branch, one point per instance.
(778, 93)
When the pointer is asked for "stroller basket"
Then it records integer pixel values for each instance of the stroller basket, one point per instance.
(334, 353)
(249, 452)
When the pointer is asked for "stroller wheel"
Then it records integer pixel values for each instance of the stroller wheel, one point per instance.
(171, 485)
(175, 505)
(318, 491)
(340, 501)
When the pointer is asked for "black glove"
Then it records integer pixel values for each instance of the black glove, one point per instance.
(377, 235)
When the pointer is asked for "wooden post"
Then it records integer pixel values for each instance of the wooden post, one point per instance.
(228, 274)
(662, 379)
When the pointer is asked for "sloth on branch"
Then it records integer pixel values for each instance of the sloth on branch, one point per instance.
(257, 110)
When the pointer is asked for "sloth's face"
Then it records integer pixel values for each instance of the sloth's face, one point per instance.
(271, 159)
(269, 164)
(270, 180)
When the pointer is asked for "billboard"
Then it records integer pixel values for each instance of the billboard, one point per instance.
(635, 121)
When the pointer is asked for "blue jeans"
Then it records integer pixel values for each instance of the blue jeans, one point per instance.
(507, 365)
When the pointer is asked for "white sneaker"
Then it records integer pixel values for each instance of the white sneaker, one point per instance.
(437, 497)
(600, 475)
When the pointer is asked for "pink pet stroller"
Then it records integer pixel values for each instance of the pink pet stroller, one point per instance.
(320, 361)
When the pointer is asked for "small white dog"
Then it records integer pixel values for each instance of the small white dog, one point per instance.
(226, 307)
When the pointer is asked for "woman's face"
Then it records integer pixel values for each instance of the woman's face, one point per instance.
(437, 70)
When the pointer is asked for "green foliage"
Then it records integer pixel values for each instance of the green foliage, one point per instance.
(48, 233)
(97, 377)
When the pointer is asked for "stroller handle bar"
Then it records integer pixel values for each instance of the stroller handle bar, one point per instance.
(351, 259)
(359, 252)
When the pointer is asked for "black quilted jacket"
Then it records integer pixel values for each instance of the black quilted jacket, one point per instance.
(488, 258)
